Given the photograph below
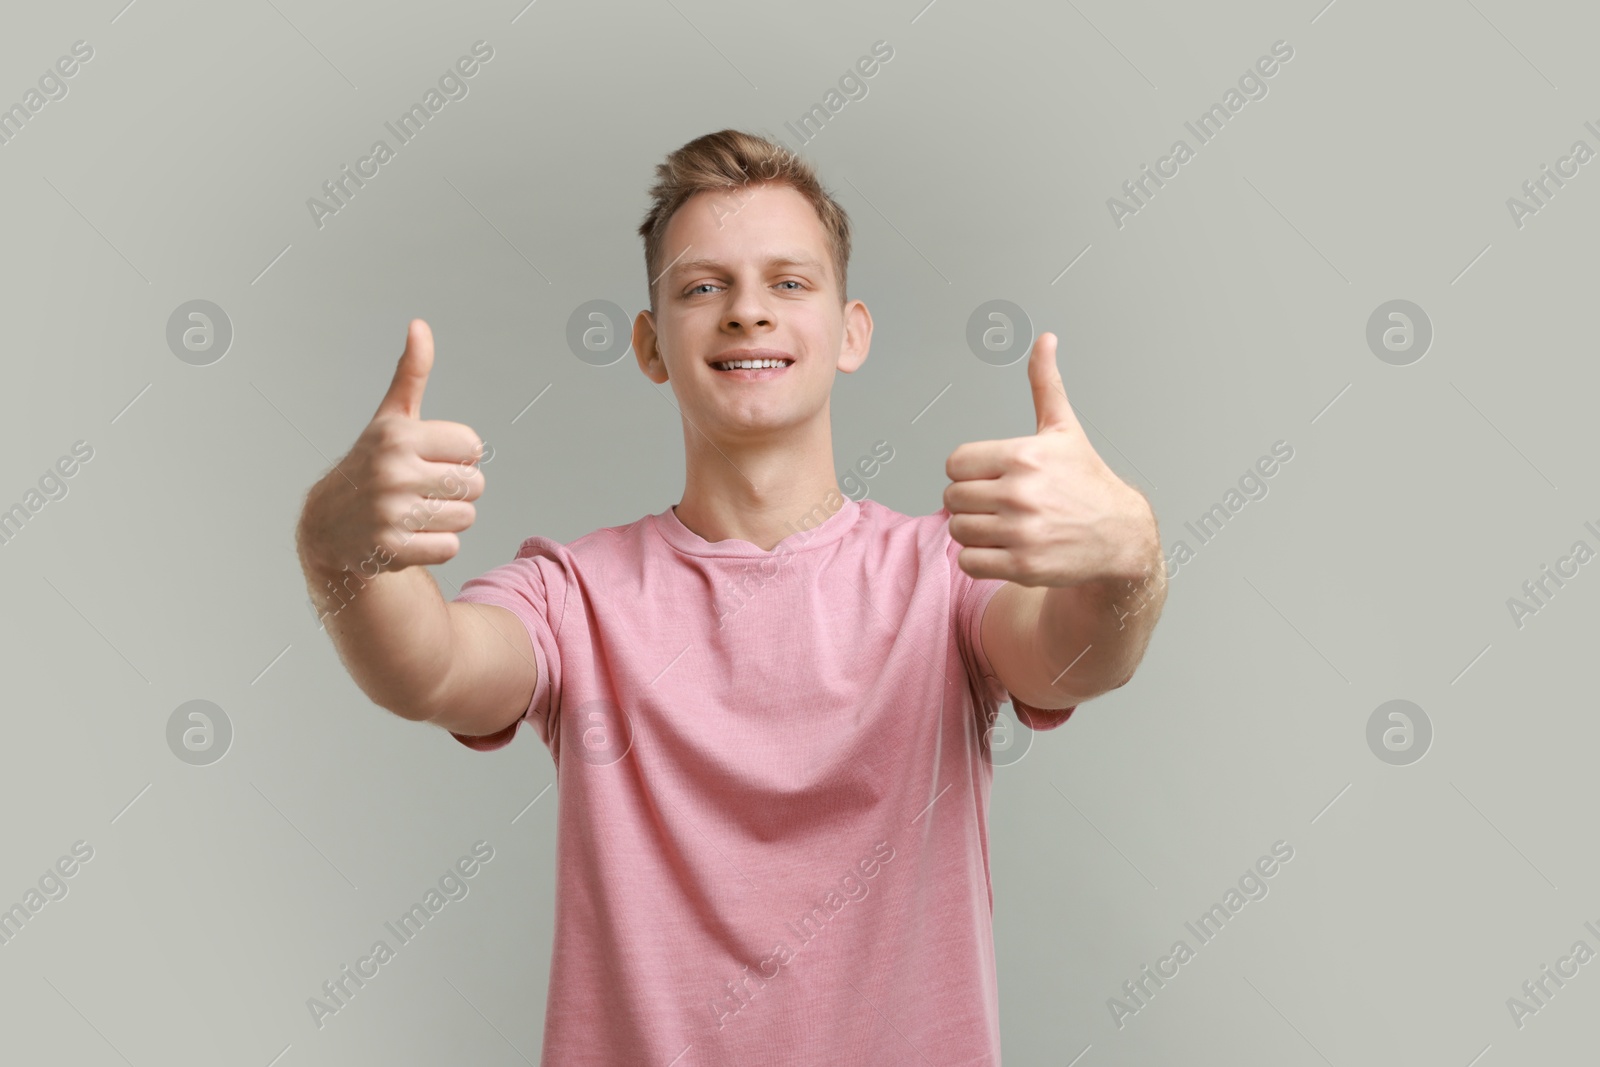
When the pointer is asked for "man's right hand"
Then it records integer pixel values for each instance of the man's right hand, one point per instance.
(404, 492)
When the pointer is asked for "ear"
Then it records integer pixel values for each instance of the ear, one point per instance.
(645, 349)
(857, 336)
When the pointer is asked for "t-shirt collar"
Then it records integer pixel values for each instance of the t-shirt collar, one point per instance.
(806, 535)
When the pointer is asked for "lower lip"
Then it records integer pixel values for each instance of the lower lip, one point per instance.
(753, 374)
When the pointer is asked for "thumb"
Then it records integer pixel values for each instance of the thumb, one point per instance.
(1049, 393)
(411, 374)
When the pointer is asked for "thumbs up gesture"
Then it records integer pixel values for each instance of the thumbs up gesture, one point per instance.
(404, 492)
(1045, 510)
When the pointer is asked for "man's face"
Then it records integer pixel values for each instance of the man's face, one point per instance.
(749, 269)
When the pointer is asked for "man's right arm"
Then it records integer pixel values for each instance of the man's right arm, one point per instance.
(492, 673)
(366, 535)
(466, 667)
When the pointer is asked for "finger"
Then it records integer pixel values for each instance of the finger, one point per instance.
(986, 562)
(424, 515)
(433, 516)
(979, 531)
(443, 441)
(1050, 404)
(452, 481)
(981, 459)
(426, 549)
(984, 496)
(410, 374)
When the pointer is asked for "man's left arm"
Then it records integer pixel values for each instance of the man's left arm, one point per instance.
(1078, 547)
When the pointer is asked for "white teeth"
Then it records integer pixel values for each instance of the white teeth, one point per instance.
(750, 364)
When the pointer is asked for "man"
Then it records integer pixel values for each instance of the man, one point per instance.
(769, 705)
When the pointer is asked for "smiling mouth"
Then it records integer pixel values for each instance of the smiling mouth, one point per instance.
(752, 364)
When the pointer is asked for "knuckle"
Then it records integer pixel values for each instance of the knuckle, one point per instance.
(404, 513)
(464, 436)
(1030, 456)
(390, 433)
(390, 475)
(421, 515)
(387, 510)
(442, 547)
(389, 542)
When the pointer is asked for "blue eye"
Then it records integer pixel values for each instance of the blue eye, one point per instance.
(712, 285)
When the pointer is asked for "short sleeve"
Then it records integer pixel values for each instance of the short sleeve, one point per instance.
(533, 588)
(970, 597)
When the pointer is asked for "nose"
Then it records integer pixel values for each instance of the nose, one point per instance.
(747, 308)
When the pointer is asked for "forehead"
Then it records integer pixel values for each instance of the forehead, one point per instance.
(745, 223)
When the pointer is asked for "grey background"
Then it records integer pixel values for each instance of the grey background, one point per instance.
(1229, 313)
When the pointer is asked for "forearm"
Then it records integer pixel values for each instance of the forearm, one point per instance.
(391, 629)
(1095, 633)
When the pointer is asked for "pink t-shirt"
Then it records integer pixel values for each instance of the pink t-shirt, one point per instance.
(773, 773)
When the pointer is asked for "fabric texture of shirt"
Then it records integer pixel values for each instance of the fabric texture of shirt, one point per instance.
(773, 773)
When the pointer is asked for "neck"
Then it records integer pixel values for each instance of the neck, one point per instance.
(759, 491)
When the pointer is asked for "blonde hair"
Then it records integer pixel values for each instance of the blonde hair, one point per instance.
(728, 160)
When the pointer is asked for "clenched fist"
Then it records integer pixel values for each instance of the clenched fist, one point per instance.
(404, 492)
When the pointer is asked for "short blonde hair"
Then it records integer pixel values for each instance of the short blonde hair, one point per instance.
(727, 160)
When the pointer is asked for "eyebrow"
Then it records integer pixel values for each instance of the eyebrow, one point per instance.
(781, 259)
